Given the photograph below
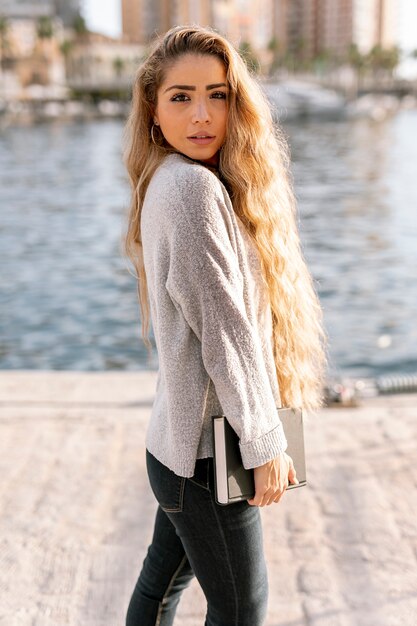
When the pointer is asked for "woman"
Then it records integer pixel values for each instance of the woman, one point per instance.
(236, 319)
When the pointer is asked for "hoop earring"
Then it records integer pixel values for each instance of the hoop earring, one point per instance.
(152, 135)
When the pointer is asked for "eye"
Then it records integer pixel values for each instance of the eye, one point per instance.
(219, 95)
(179, 97)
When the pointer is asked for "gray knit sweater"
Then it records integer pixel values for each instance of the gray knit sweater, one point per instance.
(211, 320)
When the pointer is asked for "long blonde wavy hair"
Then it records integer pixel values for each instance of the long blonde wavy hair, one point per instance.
(255, 165)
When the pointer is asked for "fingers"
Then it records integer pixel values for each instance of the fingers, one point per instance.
(292, 474)
(268, 496)
(262, 495)
(267, 490)
(273, 496)
(278, 494)
(258, 499)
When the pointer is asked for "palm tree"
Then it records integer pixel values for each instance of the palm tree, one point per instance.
(384, 60)
(391, 59)
(358, 61)
(4, 42)
(45, 29)
(249, 56)
(299, 52)
(321, 61)
(275, 47)
(118, 66)
(45, 34)
(65, 48)
(355, 58)
(80, 26)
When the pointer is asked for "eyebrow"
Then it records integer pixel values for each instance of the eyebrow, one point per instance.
(192, 87)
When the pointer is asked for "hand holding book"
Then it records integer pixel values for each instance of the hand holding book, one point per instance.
(272, 479)
(234, 483)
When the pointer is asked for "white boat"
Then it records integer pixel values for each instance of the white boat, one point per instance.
(294, 98)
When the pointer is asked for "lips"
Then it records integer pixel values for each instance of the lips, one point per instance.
(201, 139)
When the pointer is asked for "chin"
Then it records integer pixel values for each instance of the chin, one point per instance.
(203, 155)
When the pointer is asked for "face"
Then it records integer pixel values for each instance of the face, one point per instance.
(192, 106)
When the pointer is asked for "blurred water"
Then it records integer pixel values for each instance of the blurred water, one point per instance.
(68, 301)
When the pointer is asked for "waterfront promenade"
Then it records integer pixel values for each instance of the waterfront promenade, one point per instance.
(76, 510)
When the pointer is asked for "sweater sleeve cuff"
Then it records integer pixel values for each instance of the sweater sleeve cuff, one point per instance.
(264, 449)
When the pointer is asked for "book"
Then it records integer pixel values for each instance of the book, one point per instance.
(231, 480)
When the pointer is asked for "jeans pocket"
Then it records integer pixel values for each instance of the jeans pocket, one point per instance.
(167, 487)
(202, 470)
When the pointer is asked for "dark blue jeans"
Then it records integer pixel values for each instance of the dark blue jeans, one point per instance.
(194, 536)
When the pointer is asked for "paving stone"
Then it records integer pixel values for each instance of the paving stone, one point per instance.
(77, 512)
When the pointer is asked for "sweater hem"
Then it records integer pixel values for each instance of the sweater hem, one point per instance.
(185, 470)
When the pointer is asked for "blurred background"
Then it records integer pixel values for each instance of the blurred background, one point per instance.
(341, 77)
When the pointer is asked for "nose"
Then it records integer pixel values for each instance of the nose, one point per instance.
(200, 113)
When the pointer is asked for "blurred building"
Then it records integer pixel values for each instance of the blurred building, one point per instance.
(67, 10)
(375, 22)
(295, 23)
(132, 24)
(142, 20)
(32, 59)
(225, 18)
(25, 9)
(302, 29)
(245, 22)
(334, 26)
(42, 54)
(254, 25)
(240, 21)
(99, 61)
(31, 54)
(307, 28)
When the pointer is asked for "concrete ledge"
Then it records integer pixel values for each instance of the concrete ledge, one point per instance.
(76, 510)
